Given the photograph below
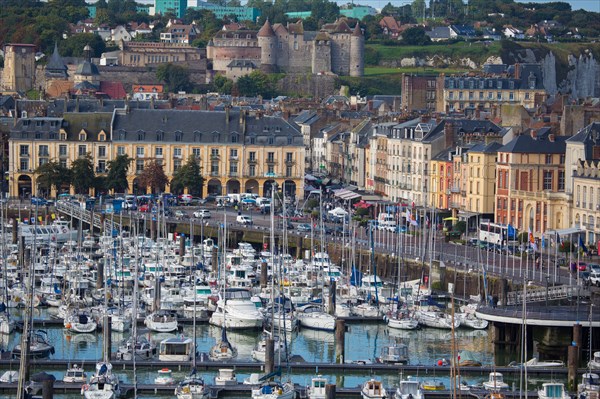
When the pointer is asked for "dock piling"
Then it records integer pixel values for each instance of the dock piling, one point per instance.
(340, 338)
(331, 298)
(48, 389)
(263, 275)
(330, 391)
(269, 356)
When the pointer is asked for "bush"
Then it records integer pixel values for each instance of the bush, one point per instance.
(311, 204)
(437, 286)
(566, 246)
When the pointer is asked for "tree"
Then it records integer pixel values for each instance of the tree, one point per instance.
(83, 174)
(153, 176)
(116, 178)
(188, 176)
(73, 45)
(418, 8)
(256, 83)
(52, 175)
(222, 85)
(415, 37)
(176, 77)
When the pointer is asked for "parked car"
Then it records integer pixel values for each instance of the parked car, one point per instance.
(244, 219)
(38, 201)
(593, 267)
(582, 266)
(202, 214)
(303, 227)
(594, 278)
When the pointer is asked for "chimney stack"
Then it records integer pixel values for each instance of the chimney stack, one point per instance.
(533, 134)
(449, 134)
(517, 71)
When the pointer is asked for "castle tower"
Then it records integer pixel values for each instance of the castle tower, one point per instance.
(267, 41)
(87, 75)
(19, 67)
(321, 56)
(357, 50)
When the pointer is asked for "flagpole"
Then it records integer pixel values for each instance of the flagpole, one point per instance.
(556, 256)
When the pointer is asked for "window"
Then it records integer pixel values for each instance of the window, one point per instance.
(547, 180)
(271, 140)
(214, 152)
(160, 135)
(158, 152)
(176, 152)
(270, 169)
(102, 151)
(548, 159)
(176, 164)
(140, 136)
(234, 138)
(270, 157)
(82, 150)
(214, 169)
(139, 152)
(289, 157)
(252, 155)
(24, 164)
(24, 150)
(252, 170)
(82, 136)
(120, 150)
(62, 150)
(290, 140)
(233, 153)
(451, 95)
(42, 161)
(43, 150)
(511, 96)
(499, 96)
(139, 166)
(288, 171)
(178, 136)
(101, 166)
(63, 163)
(233, 169)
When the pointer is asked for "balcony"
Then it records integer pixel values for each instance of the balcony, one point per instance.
(44, 154)
(214, 157)
(214, 174)
(233, 158)
(290, 162)
(271, 161)
(24, 154)
(455, 189)
(252, 161)
(234, 174)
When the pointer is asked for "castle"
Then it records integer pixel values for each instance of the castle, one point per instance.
(336, 49)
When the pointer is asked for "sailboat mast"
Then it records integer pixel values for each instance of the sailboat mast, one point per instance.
(135, 309)
(193, 273)
(272, 245)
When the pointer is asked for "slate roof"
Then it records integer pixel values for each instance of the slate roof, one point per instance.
(241, 64)
(440, 32)
(48, 128)
(306, 117)
(56, 67)
(202, 127)
(589, 136)
(87, 68)
(525, 144)
(491, 148)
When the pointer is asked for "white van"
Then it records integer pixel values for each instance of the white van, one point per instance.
(234, 198)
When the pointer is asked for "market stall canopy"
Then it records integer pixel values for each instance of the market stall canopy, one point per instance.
(346, 194)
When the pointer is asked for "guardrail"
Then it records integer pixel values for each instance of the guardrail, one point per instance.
(74, 210)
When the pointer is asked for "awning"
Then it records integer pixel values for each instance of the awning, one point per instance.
(450, 218)
(310, 177)
(372, 197)
(308, 187)
(346, 194)
(564, 232)
(325, 181)
(362, 204)
(335, 181)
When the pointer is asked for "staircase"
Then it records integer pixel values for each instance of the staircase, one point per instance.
(76, 211)
(551, 293)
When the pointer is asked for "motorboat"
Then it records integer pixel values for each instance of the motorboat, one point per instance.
(394, 354)
(495, 382)
(8, 377)
(236, 311)
(409, 389)
(260, 350)
(281, 317)
(75, 375)
(164, 377)
(471, 321)
(192, 387)
(589, 387)
(226, 377)
(161, 321)
(176, 349)
(366, 310)
(103, 384)
(433, 385)
(536, 363)
(373, 389)
(39, 347)
(595, 362)
(316, 390)
(401, 321)
(313, 316)
(274, 390)
(80, 322)
(7, 325)
(436, 319)
(222, 350)
(553, 390)
(144, 349)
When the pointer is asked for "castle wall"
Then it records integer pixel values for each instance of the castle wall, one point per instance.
(321, 58)
(224, 55)
(340, 53)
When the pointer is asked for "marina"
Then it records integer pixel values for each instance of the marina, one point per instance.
(206, 308)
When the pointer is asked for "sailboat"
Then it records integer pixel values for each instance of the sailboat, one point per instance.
(7, 325)
(223, 350)
(192, 387)
(103, 384)
(401, 319)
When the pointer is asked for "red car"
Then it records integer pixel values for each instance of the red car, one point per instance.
(144, 208)
(582, 266)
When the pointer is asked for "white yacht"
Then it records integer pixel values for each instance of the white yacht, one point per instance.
(176, 349)
(161, 321)
(316, 390)
(192, 387)
(373, 389)
(553, 390)
(226, 377)
(164, 377)
(409, 389)
(75, 375)
(435, 319)
(80, 322)
(103, 384)
(495, 382)
(312, 316)
(274, 390)
(237, 311)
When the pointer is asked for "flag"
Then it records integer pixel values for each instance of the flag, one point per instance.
(558, 240)
(582, 245)
(510, 232)
(413, 221)
(532, 243)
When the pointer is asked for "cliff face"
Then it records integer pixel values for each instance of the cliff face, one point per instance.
(583, 77)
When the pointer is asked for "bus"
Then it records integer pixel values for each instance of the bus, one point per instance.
(494, 233)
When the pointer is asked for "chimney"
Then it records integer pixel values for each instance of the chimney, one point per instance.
(448, 134)
(243, 121)
(517, 71)
(227, 116)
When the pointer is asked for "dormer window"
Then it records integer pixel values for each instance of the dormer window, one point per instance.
(290, 140)
(271, 140)
(82, 136)
(38, 123)
(234, 138)
(160, 135)
(178, 136)
(141, 135)
(63, 136)
(197, 136)
(216, 137)
(122, 135)
(102, 136)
